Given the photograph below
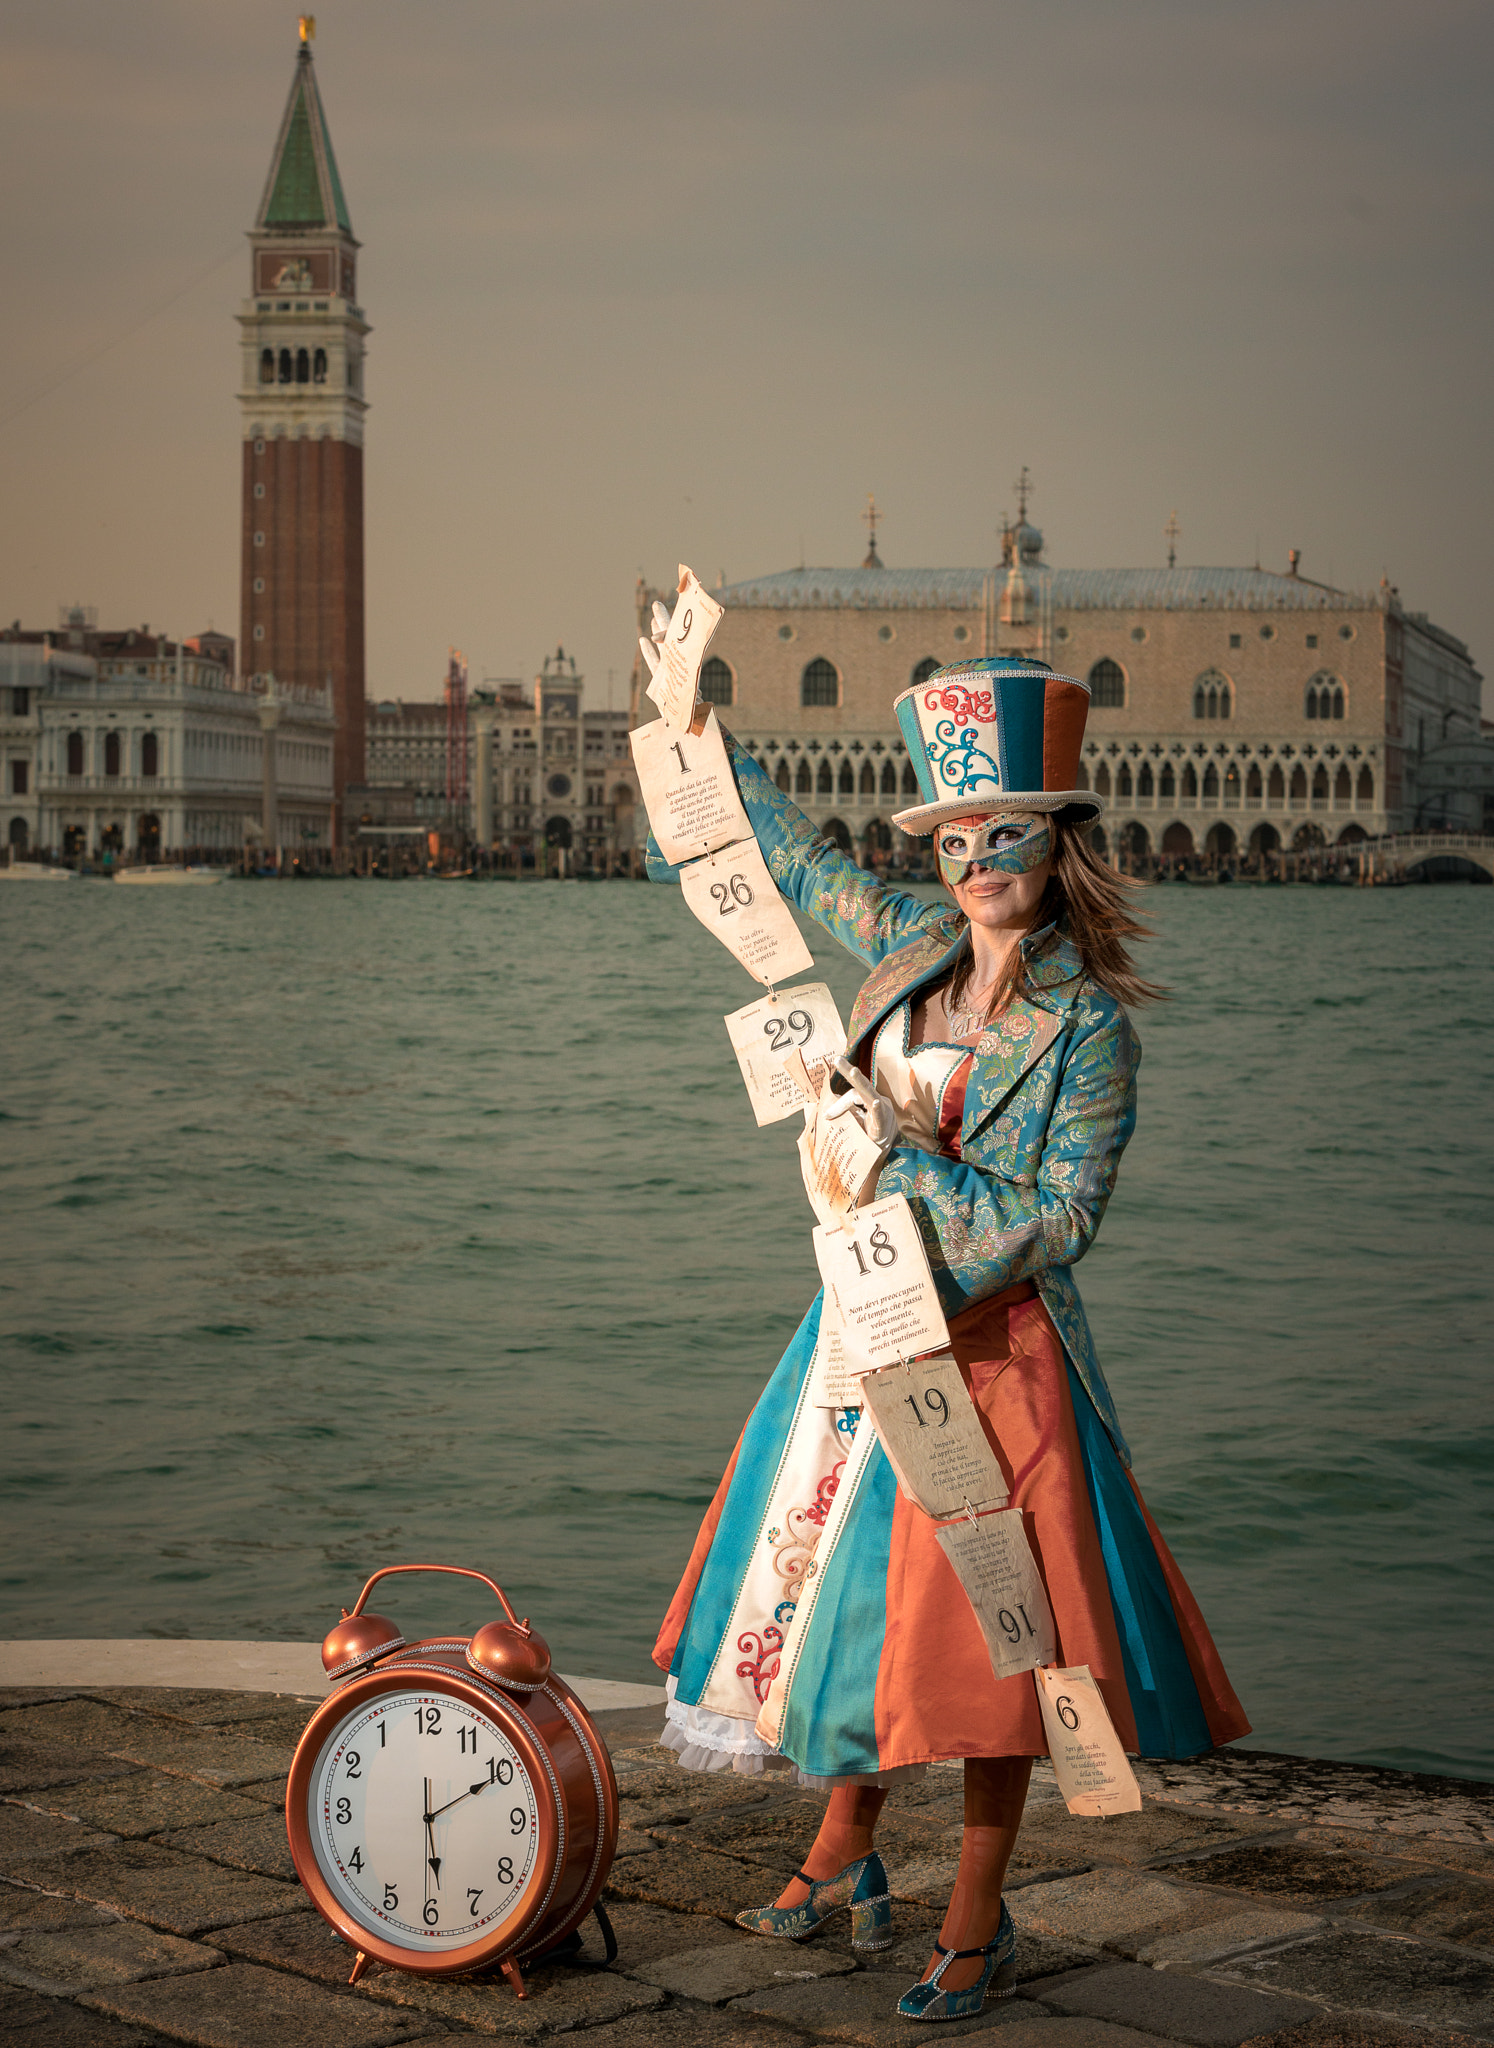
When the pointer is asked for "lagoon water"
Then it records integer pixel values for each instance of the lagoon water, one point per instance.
(349, 1224)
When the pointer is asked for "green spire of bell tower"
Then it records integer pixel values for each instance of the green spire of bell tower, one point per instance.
(303, 189)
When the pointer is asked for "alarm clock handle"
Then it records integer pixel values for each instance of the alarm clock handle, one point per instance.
(456, 1570)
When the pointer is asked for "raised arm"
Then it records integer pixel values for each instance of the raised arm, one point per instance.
(864, 915)
(983, 1231)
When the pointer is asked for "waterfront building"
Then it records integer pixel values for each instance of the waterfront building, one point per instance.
(545, 770)
(132, 743)
(302, 406)
(1235, 712)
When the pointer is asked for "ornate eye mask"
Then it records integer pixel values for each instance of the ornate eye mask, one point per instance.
(1011, 843)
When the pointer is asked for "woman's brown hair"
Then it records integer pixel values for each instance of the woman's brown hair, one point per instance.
(1092, 902)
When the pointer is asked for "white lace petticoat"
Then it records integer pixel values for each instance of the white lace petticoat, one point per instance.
(703, 1741)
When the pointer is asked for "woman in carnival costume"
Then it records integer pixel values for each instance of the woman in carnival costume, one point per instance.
(995, 1032)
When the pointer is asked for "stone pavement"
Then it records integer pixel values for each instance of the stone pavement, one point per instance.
(147, 1896)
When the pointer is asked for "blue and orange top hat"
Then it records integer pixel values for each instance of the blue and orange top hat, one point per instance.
(986, 734)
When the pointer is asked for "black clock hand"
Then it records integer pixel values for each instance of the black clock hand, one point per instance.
(431, 1857)
(460, 1797)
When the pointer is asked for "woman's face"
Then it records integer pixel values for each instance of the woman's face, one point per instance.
(996, 865)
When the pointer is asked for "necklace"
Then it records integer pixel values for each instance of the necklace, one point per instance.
(969, 1016)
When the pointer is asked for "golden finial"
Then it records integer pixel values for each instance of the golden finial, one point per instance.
(308, 28)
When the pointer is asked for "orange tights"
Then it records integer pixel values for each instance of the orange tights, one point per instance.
(995, 1794)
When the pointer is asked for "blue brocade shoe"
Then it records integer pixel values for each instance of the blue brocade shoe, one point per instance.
(929, 2001)
(861, 1886)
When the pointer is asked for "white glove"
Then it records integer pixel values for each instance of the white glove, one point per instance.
(872, 1111)
(657, 629)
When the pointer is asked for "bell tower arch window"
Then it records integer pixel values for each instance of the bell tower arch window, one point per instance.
(303, 366)
(319, 367)
(287, 367)
(267, 366)
(820, 683)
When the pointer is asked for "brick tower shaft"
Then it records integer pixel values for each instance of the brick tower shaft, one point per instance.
(302, 406)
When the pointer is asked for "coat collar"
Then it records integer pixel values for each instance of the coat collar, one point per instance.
(1016, 1040)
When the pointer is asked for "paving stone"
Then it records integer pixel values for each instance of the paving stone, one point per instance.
(1457, 1909)
(28, 2020)
(32, 1766)
(645, 1933)
(1073, 2033)
(1354, 2030)
(779, 1837)
(558, 2000)
(284, 1724)
(1420, 1984)
(658, 1797)
(629, 1844)
(863, 2008)
(77, 1959)
(1208, 2013)
(300, 1942)
(183, 1894)
(266, 1791)
(21, 1910)
(258, 1844)
(731, 1969)
(182, 1702)
(149, 1802)
(1303, 1789)
(26, 1834)
(1211, 1943)
(1114, 1909)
(691, 2028)
(238, 2006)
(1476, 1859)
(1051, 1835)
(1303, 1873)
(691, 1880)
(143, 1739)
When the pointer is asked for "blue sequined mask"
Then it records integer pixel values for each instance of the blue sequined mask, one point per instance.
(1011, 843)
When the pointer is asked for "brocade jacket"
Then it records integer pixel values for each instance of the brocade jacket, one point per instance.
(1051, 1100)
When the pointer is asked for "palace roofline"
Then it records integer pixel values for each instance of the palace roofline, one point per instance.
(1176, 589)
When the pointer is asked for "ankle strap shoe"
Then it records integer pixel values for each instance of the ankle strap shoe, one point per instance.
(860, 1888)
(928, 2000)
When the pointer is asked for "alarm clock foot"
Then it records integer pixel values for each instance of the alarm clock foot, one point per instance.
(511, 1971)
(359, 1966)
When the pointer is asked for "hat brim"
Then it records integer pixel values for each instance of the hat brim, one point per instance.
(924, 818)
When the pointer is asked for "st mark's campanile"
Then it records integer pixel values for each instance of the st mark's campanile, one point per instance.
(301, 394)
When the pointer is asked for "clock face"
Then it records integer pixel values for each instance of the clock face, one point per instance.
(423, 1820)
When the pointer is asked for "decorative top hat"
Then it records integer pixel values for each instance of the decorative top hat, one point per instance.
(988, 734)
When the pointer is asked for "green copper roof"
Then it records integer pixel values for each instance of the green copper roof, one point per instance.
(304, 189)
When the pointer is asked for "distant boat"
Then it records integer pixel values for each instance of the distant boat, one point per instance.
(179, 878)
(34, 871)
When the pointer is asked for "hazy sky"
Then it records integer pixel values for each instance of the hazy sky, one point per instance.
(652, 282)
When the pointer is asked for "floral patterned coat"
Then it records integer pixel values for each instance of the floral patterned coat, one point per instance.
(1051, 1101)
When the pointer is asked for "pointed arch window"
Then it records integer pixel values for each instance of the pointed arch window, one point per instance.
(1232, 786)
(1253, 786)
(1343, 789)
(1169, 783)
(845, 782)
(716, 681)
(1276, 788)
(803, 781)
(1320, 788)
(782, 777)
(1107, 685)
(910, 780)
(1325, 696)
(868, 779)
(1212, 695)
(1365, 797)
(1081, 777)
(1144, 786)
(1102, 780)
(820, 683)
(924, 670)
(1123, 783)
(1211, 784)
(824, 782)
(1190, 784)
(889, 779)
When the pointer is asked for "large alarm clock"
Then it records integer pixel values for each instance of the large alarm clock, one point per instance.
(452, 1807)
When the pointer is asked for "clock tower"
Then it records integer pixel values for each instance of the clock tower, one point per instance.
(301, 398)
